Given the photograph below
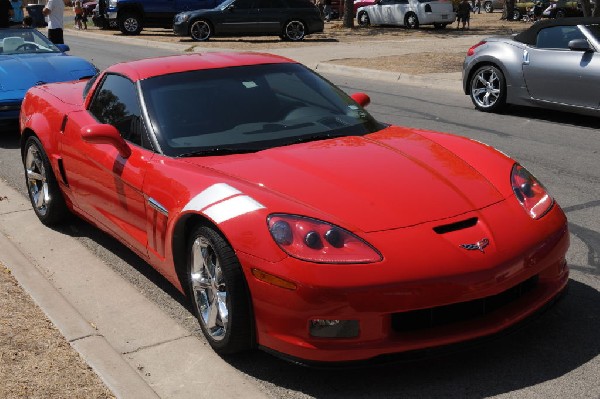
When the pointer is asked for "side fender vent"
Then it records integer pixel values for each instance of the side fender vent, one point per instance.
(448, 228)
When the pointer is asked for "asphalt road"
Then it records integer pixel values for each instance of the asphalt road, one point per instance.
(554, 356)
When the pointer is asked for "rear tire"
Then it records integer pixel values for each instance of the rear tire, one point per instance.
(411, 21)
(363, 19)
(218, 292)
(487, 88)
(45, 195)
(294, 30)
(487, 7)
(517, 16)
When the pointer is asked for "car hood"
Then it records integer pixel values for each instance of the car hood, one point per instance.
(391, 179)
(24, 71)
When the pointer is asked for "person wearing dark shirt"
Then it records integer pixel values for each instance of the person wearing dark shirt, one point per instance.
(6, 11)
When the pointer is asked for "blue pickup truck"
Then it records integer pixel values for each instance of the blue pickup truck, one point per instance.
(131, 16)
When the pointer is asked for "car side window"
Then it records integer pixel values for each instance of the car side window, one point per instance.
(243, 4)
(558, 37)
(116, 103)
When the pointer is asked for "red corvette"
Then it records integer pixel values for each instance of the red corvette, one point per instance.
(290, 217)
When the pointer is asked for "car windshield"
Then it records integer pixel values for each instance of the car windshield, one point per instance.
(248, 109)
(24, 41)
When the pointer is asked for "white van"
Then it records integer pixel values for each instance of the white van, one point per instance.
(409, 13)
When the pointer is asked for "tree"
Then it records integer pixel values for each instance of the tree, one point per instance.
(349, 14)
(509, 10)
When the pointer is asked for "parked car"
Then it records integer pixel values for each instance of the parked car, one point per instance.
(28, 58)
(288, 19)
(408, 13)
(492, 5)
(562, 9)
(553, 64)
(293, 220)
(131, 16)
(361, 3)
(523, 6)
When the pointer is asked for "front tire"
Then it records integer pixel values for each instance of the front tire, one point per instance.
(517, 16)
(294, 30)
(130, 24)
(411, 21)
(363, 19)
(488, 89)
(42, 187)
(218, 291)
(200, 31)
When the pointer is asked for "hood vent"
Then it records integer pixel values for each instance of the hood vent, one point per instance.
(448, 228)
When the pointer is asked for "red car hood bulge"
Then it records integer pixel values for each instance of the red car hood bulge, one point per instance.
(391, 179)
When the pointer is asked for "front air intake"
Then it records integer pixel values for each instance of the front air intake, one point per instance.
(448, 228)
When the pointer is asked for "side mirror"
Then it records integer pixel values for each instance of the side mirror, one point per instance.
(579, 45)
(106, 134)
(361, 98)
(63, 47)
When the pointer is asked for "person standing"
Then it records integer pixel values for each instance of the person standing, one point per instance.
(17, 7)
(463, 14)
(327, 10)
(55, 10)
(6, 11)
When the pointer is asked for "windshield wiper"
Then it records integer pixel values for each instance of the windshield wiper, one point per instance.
(217, 151)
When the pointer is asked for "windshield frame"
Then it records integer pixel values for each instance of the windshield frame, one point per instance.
(29, 35)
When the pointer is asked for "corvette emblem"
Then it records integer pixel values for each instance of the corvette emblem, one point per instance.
(480, 245)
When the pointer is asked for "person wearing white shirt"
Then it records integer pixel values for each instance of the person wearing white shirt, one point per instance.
(54, 10)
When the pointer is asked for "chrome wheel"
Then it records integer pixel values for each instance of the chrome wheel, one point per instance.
(411, 22)
(363, 19)
(488, 89)
(488, 7)
(209, 288)
(295, 30)
(37, 182)
(200, 31)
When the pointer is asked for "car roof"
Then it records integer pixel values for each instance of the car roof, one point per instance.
(529, 36)
(151, 67)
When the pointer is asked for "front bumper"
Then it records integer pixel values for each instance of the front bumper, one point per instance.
(427, 305)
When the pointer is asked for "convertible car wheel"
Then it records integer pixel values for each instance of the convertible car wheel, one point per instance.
(200, 30)
(294, 30)
(363, 19)
(411, 21)
(219, 293)
(46, 198)
(488, 89)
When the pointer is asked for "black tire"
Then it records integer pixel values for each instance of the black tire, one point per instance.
(487, 89)
(411, 21)
(45, 195)
(561, 14)
(201, 30)
(487, 7)
(216, 285)
(294, 30)
(517, 15)
(130, 23)
(363, 19)
(438, 25)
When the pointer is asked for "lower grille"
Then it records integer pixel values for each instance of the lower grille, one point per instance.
(443, 315)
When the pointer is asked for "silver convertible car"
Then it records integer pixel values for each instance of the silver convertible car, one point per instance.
(553, 64)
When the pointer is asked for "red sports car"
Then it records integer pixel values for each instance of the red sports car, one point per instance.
(290, 217)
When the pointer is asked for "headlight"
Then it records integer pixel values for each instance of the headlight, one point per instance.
(530, 193)
(317, 241)
(182, 17)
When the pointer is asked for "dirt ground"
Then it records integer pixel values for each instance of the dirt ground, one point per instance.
(35, 360)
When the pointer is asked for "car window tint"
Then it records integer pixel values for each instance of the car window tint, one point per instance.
(594, 30)
(116, 103)
(558, 37)
(243, 4)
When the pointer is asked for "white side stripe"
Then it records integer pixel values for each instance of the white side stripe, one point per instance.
(232, 208)
(215, 193)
